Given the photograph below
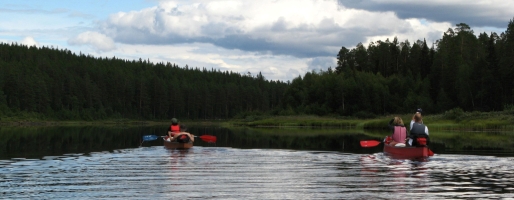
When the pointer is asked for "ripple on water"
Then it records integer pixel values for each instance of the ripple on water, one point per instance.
(229, 173)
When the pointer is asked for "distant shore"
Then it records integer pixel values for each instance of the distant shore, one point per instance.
(450, 120)
(453, 120)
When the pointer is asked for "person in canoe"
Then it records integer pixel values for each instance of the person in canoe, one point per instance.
(399, 132)
(419, 110)
(418, 131)
(176, 132)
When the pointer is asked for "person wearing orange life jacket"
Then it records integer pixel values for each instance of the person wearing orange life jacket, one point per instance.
(176, 132)
(399, 132)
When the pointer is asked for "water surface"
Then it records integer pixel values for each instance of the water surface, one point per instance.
(231, 173)
(93, 162)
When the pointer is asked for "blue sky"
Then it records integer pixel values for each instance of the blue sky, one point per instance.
(282, 39)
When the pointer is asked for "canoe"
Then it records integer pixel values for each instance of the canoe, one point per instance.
(407, 152)
(400, 152)
(178, 145)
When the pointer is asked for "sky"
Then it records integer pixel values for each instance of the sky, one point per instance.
(282, 39)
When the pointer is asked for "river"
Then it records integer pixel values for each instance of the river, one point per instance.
(238, 171)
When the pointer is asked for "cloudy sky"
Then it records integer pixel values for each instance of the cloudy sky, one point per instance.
(282, 39)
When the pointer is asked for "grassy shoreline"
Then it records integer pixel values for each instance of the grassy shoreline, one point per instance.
(454, 119)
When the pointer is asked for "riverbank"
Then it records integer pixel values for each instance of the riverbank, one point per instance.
(116, 122)
(76, 123)
(454, 119)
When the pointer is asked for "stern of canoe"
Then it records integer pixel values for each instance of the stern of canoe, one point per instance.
(407, 152)
(174, 144)
(177, 145)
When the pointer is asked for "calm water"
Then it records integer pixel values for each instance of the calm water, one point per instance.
(222, 171)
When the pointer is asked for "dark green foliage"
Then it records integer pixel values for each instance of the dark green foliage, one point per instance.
(506, 63)
(459, 70)
(60, 85)
(454, 114)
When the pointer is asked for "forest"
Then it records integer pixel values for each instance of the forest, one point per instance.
(458, 71)
(51, 84)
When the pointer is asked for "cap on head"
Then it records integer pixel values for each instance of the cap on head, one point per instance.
(174, 120)
(419, 110)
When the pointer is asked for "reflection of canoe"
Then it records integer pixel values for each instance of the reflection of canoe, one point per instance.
(174, 144)
(407, 152)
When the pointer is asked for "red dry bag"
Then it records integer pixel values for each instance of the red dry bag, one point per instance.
(421, 141)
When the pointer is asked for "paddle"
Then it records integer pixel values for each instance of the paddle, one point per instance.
(205, 138)
(148, 138)
(370, 143)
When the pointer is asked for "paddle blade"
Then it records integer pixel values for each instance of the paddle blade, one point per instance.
(369, 143)
(430, 152)
(150, 137)
(208, 138)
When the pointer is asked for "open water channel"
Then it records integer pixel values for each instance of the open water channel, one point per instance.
(109, 163)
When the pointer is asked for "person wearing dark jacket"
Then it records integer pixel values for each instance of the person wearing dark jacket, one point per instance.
(418, 130)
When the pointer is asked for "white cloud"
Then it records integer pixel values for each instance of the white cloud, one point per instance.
(204, 55)
(321, 63)
(300, 28)
(98, 41)
(29, 41)
(279, 38)
(413, 30)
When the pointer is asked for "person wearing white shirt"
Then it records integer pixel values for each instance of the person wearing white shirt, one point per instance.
(418, 130)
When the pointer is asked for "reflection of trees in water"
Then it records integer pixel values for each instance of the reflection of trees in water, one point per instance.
(33, 142)
(300, 139)
(348, 140)
(475, 142)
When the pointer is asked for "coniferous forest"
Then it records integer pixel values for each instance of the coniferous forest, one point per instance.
(460, 70)
(58, 84)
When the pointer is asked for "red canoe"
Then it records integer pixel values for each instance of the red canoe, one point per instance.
(176, 145)
(179, 145)
(407, 152)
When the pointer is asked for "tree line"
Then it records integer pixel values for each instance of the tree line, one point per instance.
(49, 83)
(458, 71)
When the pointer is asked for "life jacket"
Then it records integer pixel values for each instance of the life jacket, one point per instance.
(399, 134)
(175, 128)
(183, 138)
(417, 129)
(418, 134)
